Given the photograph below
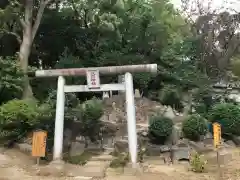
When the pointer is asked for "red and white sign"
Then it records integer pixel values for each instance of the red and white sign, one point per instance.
(93, 79)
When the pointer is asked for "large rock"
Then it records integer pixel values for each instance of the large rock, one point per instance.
(164, 148)
(109, 128)
(229, 143)
(176, 134)
(153, 150)
(225, 156)
(181, 153)
(236, 140)
(121, 146)
(67, 137)
(200, 147)
(169, 113)
(108, 142)
(24, 147)
(77, 148)
(94, 146)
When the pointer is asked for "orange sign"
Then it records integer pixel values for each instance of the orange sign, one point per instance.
(217, 134)
(39, 143)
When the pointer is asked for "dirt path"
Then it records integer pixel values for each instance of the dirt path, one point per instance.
(14, 166)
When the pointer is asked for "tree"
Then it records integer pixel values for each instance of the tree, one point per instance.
(11, 78)
(27, 15)
(216, 31)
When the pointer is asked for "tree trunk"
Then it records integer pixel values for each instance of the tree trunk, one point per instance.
(24, 54)
(29, 33)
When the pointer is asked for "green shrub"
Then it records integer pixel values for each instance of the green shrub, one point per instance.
(228, 115)
(194, 126)
(91, 110)
(18, 117)
(89, 114)
(171, 96)
(160, 128)
(120, 161)
(197, 163)
(81, 159)
(11, 79)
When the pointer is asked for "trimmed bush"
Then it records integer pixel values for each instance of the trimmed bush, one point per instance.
(171, 96)
(228, 115)
(194, 126)
(11, 79)
(160, 128)
(120, 161)
(18, 117)
(89, 114)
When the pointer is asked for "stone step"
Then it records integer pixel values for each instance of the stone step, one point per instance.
(95, 168)
(82, 178)
(103, 157)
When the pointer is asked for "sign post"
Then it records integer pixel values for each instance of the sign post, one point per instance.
(39, 144)
(93, 79)
(217, 136)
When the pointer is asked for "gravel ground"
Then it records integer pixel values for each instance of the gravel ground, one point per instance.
(15, 165)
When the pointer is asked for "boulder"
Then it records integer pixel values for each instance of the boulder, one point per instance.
(230, 143)
(169, 113)
(67, 137)
(108, 142)
(180, 153)
(176, 134)
(24, 147)
(236, 140)
(200, 147)
(164, 148)
(208, 141)
(153, 150)
(77, 148)
(109, 128)
(121, 146)
(224, 157)
(94, 146)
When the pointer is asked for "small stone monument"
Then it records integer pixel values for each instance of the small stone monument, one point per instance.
(137, 93)
(105, 95)
(169, 113)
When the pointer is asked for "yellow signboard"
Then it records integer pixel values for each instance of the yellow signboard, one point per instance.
(217, 134)
(39, 143)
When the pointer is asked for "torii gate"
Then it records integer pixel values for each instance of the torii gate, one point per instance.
(93, 80)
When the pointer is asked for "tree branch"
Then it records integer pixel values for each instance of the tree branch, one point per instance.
(13, 34)
(23, 23)
(40, 12)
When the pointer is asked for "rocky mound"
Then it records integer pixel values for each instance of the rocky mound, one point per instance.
(115, 109)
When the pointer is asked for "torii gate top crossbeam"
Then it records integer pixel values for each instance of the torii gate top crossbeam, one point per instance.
(151, 68)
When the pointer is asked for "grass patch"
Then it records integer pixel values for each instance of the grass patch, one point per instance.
(81, 159)
(120, 161)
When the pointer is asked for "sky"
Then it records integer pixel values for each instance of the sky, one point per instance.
(216, 4)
